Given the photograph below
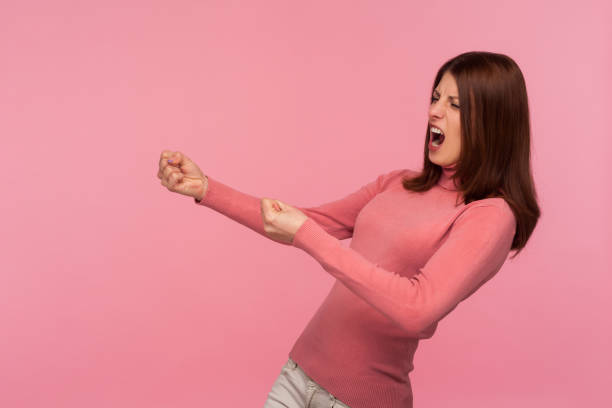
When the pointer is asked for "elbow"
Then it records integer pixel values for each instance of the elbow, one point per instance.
(418, 326)
(411, 330)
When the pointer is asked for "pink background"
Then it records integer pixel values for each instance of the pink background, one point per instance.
(116, 292)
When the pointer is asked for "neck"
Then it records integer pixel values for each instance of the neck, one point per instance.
(445, 180)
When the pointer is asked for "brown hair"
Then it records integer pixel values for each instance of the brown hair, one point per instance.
(495, 138)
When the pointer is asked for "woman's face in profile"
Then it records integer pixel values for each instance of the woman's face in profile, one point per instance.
(444, 114)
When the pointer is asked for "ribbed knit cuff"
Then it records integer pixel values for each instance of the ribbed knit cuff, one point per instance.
(311, 237)
(207, 195)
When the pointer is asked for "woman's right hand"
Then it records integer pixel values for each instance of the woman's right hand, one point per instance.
(182, 175)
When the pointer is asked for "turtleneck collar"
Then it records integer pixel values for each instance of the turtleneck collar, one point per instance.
(445, 180)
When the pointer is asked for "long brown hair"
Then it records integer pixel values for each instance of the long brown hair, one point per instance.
(495, 138)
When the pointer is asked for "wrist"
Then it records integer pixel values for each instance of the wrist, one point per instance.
(204, 188)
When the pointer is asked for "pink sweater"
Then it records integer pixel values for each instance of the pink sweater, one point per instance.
(412, 258)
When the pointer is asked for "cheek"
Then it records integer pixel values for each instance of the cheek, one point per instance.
(455, 142)
(457, 134)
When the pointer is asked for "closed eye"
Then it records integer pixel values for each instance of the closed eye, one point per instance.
(433, 98)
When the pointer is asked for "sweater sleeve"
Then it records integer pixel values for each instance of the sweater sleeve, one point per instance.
(475, 249)
(336, 218)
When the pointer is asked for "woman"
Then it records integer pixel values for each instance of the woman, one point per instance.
(422, 242)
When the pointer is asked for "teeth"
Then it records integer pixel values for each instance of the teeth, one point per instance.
(436, 130)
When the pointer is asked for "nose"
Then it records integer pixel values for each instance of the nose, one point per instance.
(435, 111)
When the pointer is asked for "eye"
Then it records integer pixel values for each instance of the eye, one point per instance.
(433, 98)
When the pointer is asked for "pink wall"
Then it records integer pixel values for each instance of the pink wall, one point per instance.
(118, 293)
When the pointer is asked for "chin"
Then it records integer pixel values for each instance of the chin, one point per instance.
(441, 163)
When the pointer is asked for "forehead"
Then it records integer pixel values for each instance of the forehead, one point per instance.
(447, 84)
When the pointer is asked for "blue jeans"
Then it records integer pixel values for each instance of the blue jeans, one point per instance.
(294, 389)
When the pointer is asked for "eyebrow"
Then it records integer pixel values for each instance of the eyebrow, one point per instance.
(436, 91)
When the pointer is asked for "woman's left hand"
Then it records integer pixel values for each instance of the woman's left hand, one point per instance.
(281, 221)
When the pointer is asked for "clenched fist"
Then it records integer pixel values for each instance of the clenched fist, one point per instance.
(181, 175)
(281, 221)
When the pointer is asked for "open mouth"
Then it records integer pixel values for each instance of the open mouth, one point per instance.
(436, 136)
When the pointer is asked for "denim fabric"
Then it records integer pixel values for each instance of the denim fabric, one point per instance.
(294, 389)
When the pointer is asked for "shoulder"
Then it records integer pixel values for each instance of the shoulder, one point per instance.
(493, 212)
(409, 172)
(502, 205)
(399, 174)
(390, 177)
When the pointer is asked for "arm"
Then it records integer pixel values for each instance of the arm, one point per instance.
(477, 246)
(336, 218)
